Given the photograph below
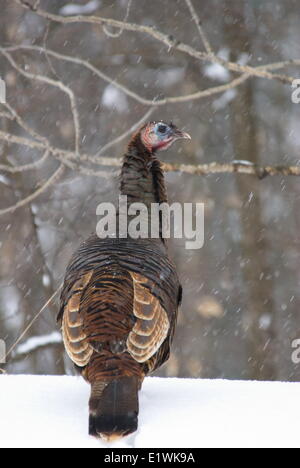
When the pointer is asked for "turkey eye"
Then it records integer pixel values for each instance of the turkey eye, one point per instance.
(162, 129)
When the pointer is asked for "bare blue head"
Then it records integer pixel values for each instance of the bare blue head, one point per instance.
(158, 136)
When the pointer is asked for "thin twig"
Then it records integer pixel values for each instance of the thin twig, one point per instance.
(25, 167)
(6, 115)
(24, 125)
(45, 51)
(63, 155)
(121, 30)
(25, 201)
(128, 132)
(209, 91)
(197, 20)
(33, 321)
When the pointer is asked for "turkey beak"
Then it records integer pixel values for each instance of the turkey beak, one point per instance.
(182, 135)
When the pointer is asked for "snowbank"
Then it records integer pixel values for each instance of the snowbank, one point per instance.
(52, 412)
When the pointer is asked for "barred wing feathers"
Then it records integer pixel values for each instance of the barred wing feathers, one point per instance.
(119, 305)
(152, 325)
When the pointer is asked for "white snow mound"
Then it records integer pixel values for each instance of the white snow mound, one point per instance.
(174, 413)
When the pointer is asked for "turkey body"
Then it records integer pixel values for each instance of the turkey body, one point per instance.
(119, 307)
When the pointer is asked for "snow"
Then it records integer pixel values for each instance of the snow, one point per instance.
(242, 162)
(175, 413)
(217, 72)
(46, 280)
(4, 180)
(170, 77)
(225, 99)
(10, 304)
(75, 9)
(244, 59)
(114, 98)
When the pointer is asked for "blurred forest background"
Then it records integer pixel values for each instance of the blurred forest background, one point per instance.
(240, 312)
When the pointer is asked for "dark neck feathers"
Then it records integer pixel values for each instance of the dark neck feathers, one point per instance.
(142, 178)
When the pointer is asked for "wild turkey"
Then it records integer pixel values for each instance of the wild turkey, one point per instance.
(120, 298)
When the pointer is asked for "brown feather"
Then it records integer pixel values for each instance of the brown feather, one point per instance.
(152, 325)
(74, 337)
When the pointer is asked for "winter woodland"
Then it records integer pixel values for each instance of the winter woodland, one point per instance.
(80, 78)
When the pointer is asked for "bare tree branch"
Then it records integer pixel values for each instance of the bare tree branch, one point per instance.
(239, 167)
(63, 155)
(24, 125)
(75, 160)
(108, 79)
(148, 102)
(56, 84)
(236, 167)
(168, 40)
(89, 66)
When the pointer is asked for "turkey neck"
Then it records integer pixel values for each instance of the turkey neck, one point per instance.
(142, 179)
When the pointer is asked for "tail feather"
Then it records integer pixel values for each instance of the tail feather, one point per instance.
(114, 408)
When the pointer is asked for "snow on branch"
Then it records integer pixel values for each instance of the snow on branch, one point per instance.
(75, 9)
(36, 343)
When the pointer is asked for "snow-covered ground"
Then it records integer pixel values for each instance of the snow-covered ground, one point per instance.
(174, 413)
